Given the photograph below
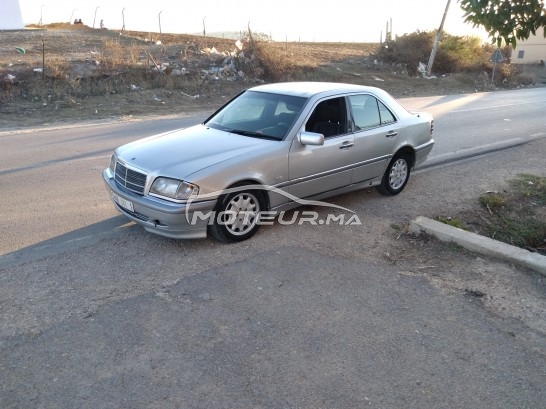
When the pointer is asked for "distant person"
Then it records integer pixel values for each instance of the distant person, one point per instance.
(102, 24)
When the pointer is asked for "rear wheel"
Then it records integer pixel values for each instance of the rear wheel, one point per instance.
(396, 176)
(237, 216)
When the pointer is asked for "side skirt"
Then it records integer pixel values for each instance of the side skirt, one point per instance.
(331, 193)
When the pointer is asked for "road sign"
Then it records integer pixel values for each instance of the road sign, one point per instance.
(497, 56)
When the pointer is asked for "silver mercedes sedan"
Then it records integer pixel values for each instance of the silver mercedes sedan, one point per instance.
(271, 148)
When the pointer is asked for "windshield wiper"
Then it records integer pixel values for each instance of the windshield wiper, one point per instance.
(253, 134)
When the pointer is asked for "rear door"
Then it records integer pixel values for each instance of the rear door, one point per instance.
(376, 131)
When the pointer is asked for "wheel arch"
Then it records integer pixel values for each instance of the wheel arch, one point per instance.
(408, 150)
(264, 195)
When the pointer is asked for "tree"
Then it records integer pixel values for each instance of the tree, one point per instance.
(506, 20)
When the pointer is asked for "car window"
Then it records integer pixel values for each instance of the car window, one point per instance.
(283, 108)
(368, 112)
(243, 109)
(329, 118)
(258, 114)
(285, 113)
(365, 111)
(387, 116)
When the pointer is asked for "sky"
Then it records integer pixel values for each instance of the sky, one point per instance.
(283, 20)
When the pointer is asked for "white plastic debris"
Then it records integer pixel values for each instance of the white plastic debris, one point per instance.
(177, 71)
(188, 95)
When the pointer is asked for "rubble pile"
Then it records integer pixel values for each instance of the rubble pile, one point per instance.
(231, 68)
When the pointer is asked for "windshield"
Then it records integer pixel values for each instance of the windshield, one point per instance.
(259, 114)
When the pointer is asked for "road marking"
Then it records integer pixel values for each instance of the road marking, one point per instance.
(496, 106)
(471, 152)
(538, 135)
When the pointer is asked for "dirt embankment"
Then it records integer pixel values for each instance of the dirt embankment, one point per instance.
(73, 73)
(62, 76)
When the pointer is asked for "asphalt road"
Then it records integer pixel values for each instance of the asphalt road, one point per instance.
(466, 125)
(97, 313)
(54, 175)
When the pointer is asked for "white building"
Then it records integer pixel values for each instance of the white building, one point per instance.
(10, 15)
(530, 51)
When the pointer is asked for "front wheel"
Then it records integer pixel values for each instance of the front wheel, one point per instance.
(237, 216)
(396, 176)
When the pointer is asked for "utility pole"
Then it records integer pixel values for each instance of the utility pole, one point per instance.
(437, 40)
(159, 18)
(95, 16)
(204, 31)
(72, 15)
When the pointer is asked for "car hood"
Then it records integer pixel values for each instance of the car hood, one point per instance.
(182, 152)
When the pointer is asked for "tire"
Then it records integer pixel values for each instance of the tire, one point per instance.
(237, 216)
(396, 176)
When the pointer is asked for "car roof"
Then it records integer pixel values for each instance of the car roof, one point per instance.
(309, 88)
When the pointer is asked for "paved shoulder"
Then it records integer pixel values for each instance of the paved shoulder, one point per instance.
(285, 328)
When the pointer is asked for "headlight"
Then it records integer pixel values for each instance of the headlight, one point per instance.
(113, 164)
(173, 188)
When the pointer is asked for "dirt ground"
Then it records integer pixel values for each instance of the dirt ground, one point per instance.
(78, 85)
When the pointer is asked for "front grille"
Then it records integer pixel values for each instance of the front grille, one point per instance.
(131, 179)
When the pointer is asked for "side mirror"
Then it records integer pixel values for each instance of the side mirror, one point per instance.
(311, 138)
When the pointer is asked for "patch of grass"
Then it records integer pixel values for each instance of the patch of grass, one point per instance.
(57, 68)
(531, 187)
(491, 201)
(516, 216)
(396, 227)
(451, 222)
(526, 232)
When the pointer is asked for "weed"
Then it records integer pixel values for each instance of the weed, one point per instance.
(492, 201)
(530, 186)
(526, 232)
(455, 53)
(451, 222)
(57, 68)
(516, 216)
(396, 227)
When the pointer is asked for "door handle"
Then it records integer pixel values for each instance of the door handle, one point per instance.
(346, 145)
(391, 133)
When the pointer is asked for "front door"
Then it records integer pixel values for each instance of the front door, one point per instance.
(318, 169)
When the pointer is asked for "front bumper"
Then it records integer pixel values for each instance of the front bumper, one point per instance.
(175, 220)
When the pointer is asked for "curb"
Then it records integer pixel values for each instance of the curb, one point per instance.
(480, 244)
(478, 151)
